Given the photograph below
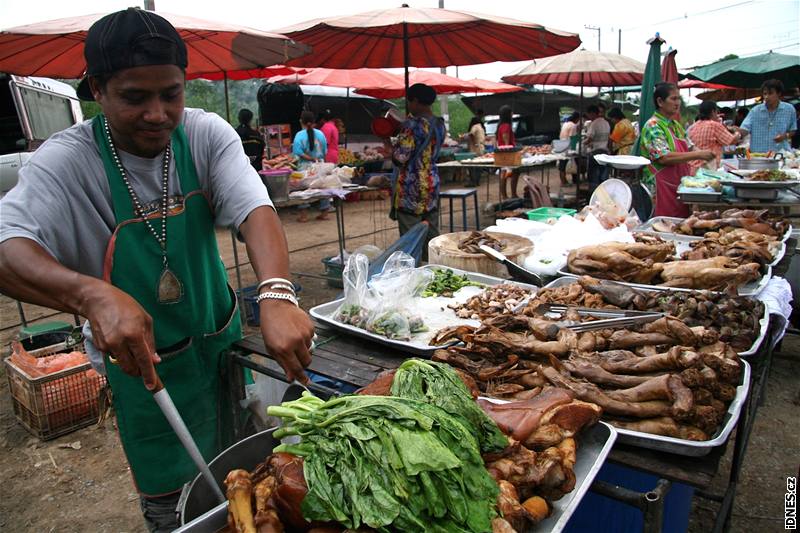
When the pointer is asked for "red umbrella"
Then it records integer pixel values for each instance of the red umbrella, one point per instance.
(266, 72)
(424, 37)
(669, 70)
(486, 86)
(699, 84)
(55, 48)
(361, 78)
(443, 84)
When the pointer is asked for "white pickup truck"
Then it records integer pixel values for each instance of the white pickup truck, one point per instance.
(31, 109)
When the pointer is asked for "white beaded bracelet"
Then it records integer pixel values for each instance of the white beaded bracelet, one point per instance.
(269, 295)
(271, 282)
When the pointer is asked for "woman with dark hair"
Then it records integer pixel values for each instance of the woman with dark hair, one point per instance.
(252, 141)
(708, 133)
(328, 128)
(310, 147)
(505, 137)
(622, 133)
(664, 142)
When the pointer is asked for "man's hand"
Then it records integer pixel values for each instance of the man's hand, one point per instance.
(288, 332)
(122, 329)
(120, 326)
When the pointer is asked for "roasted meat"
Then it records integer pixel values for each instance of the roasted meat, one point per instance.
(714, 273)
(665, 426)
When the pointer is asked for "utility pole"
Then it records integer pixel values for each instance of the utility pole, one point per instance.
(619, 42)
(150, 5)
(443, 98)
(597, 29)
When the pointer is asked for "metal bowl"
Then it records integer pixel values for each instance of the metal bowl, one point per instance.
(759, 163)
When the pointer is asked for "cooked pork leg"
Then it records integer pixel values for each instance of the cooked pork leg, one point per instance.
(591, 393)
(667, 387)
(599, 375)
(665, 426)
(676, 358)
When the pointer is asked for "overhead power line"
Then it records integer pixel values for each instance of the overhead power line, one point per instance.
(687, 15)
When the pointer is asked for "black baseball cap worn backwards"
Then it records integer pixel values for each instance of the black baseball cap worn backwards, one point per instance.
(130, 38)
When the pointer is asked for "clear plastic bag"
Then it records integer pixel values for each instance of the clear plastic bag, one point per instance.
(396, 316)
(358, 303)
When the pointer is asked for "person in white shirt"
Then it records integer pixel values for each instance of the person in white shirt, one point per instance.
(596, 143)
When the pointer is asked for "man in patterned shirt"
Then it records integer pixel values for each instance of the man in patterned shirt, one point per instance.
(415, 186)
(773, 123)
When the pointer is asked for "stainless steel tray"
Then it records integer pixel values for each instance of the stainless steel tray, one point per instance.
(748, 289)
(689, 197)
(594, 445)
(763, 322)
(747, 184)
(324, 313)
(647, 227)
(689, 447)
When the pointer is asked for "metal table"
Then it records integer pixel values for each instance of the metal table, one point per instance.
(784, 204)
(542, 166)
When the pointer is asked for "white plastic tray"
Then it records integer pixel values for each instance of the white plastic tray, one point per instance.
(419, 343)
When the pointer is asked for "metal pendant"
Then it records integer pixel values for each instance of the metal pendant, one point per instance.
(170, 288)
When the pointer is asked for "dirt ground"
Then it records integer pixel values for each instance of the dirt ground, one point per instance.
(81, 482)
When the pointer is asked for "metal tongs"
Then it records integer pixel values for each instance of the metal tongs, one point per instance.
(609, 318)
(516, 271)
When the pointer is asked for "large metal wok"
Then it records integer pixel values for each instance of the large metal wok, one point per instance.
(198, 508)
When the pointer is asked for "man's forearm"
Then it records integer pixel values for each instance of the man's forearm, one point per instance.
(266, 244)
(28, 273)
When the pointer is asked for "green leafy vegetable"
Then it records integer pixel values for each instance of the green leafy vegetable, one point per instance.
(388, 463)
(446, 282)
(439, 385)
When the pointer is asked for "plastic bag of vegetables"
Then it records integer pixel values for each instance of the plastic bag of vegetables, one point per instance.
(395, 288)
(358, 302)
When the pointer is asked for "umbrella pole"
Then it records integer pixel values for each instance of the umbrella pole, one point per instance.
(405, 62)
(227, 103)
(346, 115)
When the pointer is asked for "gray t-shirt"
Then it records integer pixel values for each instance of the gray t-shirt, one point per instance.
(63, 200)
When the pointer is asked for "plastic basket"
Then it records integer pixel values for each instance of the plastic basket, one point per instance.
(59, 403)
(508, 159)
(545, 214)
(333, 271)
(251, 310)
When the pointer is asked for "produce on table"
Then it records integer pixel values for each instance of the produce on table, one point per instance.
(769, 175)
(445, 282)
(282, 161)
(538, 150)
(652, 261)
(702, 222)
(500, 299)
(407, 457)
(352, 314)
(397, 325)
(346, 157)
(735, 319)
(471, 244)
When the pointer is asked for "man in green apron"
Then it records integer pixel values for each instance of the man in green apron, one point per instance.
(114, 219)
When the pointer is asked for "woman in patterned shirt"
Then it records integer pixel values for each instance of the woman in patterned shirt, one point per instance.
(415, 185)
(664, 142)
(708, 133)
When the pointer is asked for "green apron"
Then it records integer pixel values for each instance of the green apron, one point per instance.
(190, 335)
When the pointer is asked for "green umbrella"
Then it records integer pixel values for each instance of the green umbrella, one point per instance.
(751, 72)
(652, 76)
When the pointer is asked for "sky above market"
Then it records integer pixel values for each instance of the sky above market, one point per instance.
(702, 32)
